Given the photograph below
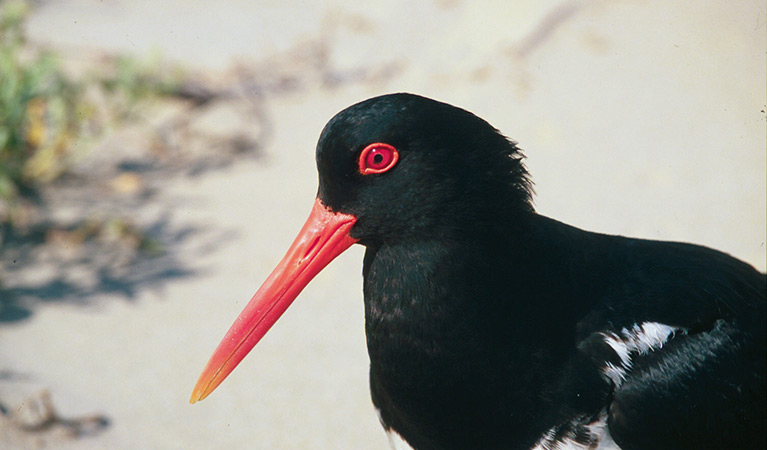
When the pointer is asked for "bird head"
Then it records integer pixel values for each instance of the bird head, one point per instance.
(392, 168)
(407, 166)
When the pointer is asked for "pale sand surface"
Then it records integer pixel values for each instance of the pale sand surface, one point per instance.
(642, 118)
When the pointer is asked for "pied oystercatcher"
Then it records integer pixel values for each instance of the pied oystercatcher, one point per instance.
(492, 327)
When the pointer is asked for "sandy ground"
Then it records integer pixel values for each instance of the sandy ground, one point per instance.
(643, 118)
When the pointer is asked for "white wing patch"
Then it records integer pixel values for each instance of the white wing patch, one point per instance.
(599, 436)
(639, 340)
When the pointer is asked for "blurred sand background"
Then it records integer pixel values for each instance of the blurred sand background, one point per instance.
(638, 117)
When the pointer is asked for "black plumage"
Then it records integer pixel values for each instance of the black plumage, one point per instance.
(488, 324)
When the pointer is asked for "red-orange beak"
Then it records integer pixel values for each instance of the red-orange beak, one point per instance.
(324, 236)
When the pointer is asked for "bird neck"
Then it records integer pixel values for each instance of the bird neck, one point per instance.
(424, 294)
(427, 289)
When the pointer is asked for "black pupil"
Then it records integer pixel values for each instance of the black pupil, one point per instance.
(378, 158)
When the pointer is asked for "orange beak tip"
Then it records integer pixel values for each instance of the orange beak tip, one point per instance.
(196, 398)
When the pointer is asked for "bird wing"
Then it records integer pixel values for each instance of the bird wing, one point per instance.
(684, 328)
(694, 391)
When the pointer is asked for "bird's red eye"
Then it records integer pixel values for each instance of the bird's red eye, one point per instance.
(377, 158)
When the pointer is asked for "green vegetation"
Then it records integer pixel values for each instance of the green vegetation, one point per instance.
(45, 115)
(136, 80)
(41, 113)
(48, 118)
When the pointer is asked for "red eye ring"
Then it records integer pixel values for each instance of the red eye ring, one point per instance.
(377, 158)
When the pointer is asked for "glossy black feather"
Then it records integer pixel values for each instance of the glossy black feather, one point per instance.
(486, 322)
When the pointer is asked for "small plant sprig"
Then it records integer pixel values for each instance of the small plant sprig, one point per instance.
(41, 112)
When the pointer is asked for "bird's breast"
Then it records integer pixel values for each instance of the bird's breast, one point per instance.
(438, 368)
(419, 304)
